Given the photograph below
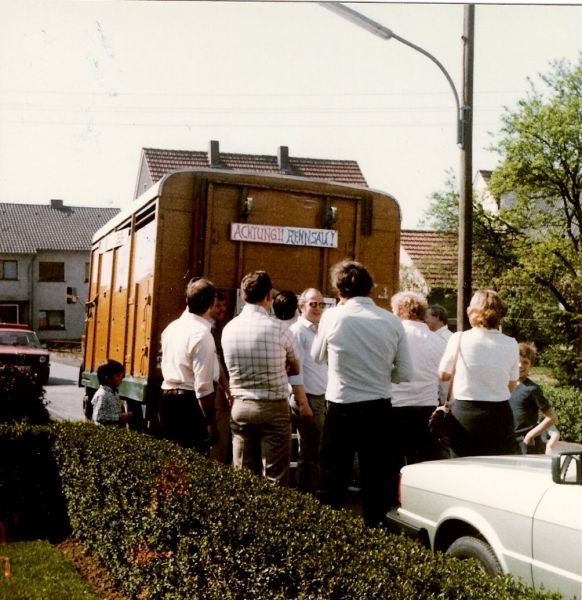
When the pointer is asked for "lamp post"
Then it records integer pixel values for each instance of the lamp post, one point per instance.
(464, 122)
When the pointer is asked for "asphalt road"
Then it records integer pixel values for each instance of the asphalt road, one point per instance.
(64, 397)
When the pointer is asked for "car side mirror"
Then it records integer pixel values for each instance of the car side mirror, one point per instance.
(567, 468)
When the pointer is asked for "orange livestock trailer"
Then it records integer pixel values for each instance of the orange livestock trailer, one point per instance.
(220, 225)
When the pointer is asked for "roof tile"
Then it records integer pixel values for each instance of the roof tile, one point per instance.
(26, 228)
(434, 254)
(162, 161)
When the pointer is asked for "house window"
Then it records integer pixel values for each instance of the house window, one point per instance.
(8, 269)
(87, 271)
(51, 319)
(51, 271)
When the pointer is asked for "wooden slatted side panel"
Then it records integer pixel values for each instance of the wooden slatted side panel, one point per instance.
(91, 313)
(380, 250)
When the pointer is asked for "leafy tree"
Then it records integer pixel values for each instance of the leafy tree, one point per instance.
(490, 252)
(541, 149)
(531, 250)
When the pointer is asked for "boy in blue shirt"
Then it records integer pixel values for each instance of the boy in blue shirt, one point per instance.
(527, 402)
(107, 406)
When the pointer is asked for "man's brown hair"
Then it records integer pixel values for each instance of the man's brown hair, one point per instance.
(200, 295)
(350, 278)
(255, 286)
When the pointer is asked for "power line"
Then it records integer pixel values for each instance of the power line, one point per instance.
(246, 94)
(91, 124)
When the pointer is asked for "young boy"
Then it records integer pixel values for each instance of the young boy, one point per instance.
(527, 401)
(107, 407)
(550, 437)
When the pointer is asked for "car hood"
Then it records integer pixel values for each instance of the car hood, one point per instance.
(16, 350)
(513, 483)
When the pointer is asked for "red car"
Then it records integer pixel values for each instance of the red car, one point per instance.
(19, 347)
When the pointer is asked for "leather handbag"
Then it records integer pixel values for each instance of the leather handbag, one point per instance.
(440, 422)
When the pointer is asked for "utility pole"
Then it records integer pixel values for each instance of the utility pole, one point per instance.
(465, 261)
(464, 121)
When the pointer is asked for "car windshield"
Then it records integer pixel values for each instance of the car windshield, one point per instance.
(19, 338)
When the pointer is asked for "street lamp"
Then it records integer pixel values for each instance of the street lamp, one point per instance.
(464, 121)
(387, 34)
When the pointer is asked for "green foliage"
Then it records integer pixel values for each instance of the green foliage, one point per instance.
(489, 255)
(21, 397)
(169, 524)
(443, 210)
(31, 500)
(565, 364)
(531, 250)
(567, 402)
(541, 148)
(39, 572)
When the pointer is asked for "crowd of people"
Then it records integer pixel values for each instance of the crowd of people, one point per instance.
(355, 379)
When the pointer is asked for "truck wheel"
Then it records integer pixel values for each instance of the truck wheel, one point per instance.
(472, 547)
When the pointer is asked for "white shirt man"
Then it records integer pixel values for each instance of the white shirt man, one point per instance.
(436, 319)
(189, 364)
(312, 380)
(365, 348)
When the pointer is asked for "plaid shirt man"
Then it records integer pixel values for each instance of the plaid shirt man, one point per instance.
(256, 348)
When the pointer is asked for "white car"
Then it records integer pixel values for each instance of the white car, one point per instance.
(515, 514)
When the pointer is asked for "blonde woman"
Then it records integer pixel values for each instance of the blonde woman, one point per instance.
(485, 364)
(413, 402)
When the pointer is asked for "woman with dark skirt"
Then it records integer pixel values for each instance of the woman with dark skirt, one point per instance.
(484, 365)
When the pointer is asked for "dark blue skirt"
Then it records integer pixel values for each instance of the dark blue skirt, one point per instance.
(482, 428)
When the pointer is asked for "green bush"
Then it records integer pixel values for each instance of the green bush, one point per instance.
(567, 402)
(169, 524)
(32, 505)
(21, 398)
(565, 364)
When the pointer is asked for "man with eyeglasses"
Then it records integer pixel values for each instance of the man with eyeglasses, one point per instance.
(366, 350)
(313, 381)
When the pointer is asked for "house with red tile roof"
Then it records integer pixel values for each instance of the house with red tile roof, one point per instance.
(157, 162)
(44, 265)
(428, 264)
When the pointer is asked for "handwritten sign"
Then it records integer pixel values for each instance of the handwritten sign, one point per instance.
(290, 236)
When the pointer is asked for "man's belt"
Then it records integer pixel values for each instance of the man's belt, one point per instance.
(178, 392)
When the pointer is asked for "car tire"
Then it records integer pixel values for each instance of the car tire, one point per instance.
(472, 547)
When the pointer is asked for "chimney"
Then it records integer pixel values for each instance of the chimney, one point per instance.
(57, 204)
(283, 159)
(214, 153)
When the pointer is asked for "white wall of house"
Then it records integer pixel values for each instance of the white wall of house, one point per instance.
(144, 179)
(487, 200)
(27, 297)
(52, 295)
(15, 293)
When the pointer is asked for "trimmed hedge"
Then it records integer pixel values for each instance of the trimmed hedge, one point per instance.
(22, 398)
(567, 402)
(171, 525)
(32, 504)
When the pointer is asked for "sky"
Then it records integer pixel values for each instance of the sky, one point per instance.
(84, 85)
